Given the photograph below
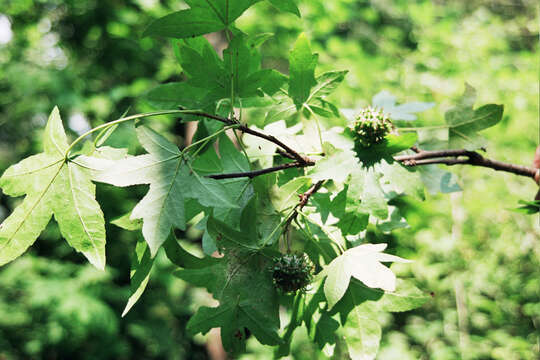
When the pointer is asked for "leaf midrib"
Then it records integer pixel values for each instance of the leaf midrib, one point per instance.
(75, 202)
(167, 196)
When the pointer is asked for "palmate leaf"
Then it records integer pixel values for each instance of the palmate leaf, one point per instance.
(211, 80)
(358, 310)
(203, 17)
(464, 122)
(306, 92)
(302, 65)
(243, 285)
(240, 281)
(171, 181)
(55, 185)
(438, 180)
(206, 16)
(363, 263)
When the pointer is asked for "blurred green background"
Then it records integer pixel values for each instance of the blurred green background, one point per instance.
(480, 261)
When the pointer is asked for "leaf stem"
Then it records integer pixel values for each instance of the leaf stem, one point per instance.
(205, 140)
(265, 241)
(254, 173)
(121, 120)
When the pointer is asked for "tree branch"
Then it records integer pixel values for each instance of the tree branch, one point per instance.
(304, 198)
(455, 157)
(421, 157)
(299, 158)
(252, 174)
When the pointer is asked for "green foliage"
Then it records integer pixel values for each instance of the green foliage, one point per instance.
(464, 122)
(363, 196)
(53, 185)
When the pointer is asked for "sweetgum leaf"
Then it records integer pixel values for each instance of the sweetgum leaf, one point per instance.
(55, 185)
(327, 83)
(363, 263)
(229, 238)
(325, 330)
(362, 333)
(243, 286)
(358, 310)
(359, 326)
(211, 80)
(172, 95)
(302, 65)
(305, 92)
(464, 122)
(402, 180)
(171, 185)
(336, 165)
(182, 258)
(372, 196)
(242, 62)
(203, 17)
(126, 223)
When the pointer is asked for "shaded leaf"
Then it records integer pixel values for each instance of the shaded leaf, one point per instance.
(141, 266)
(247, 300)
(171, 184)
(203, 17)
(464, 122)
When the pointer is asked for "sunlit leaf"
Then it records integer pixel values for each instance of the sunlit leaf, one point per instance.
(53, 184)
(363, 263)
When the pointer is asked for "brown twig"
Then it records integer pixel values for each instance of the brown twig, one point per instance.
(299, 158)
(421, 157)
(252, 174)
(284, 154)
(462, 157)
(304, 198)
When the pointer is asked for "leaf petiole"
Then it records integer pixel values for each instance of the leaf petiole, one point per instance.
(121, 120)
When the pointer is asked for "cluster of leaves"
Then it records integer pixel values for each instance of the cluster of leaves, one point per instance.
(243, 218)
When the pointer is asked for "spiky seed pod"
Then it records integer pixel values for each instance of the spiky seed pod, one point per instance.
(292, 272)
(370, 126)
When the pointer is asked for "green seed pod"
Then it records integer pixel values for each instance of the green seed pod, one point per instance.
(292, 272)
(370, 126)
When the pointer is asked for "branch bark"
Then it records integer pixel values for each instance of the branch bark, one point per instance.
(420, 157)
(299, 158)
(462, 157)
(252, 174)
(304, 198)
